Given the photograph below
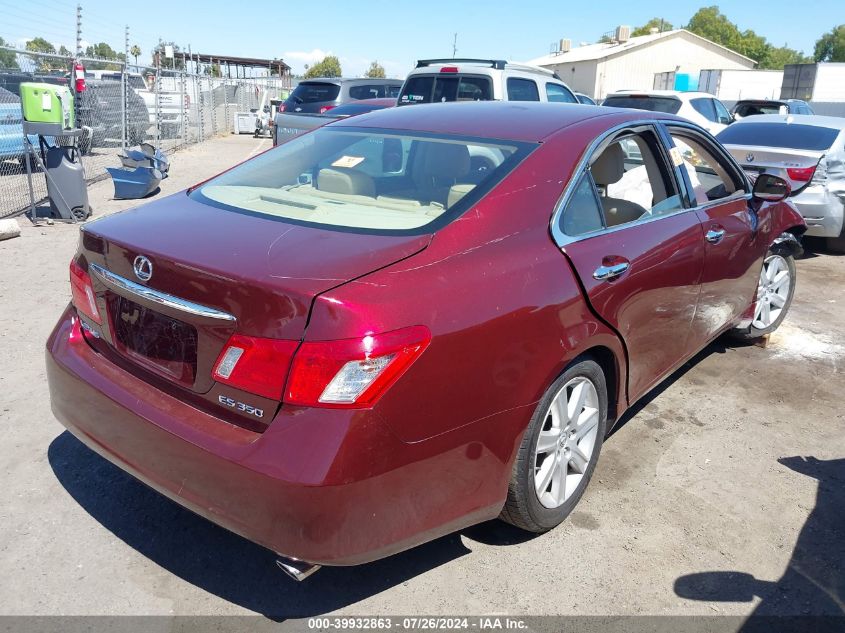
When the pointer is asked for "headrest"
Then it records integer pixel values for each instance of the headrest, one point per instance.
(346, 181)
(609, 167)
(445, 160)
(456, 192)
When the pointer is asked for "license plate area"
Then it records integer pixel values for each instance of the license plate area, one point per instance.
(156, 341)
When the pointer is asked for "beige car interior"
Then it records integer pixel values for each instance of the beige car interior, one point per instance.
(347, 196)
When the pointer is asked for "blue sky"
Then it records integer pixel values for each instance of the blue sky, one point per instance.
(394, 33)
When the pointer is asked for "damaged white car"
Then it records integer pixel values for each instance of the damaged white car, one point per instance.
(806, 150)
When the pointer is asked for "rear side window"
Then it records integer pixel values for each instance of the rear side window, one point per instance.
(522, 90)
(558, 94)
(368, 91)
(791, 135)
(448, 87)
(705, 108)
(655, 104)
(315, 91)
(583, 213)
(752, 109)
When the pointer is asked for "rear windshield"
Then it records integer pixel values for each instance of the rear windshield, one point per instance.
(369, 180)
(791, 135)
(449, 87)
(314, 91)
(751, 109)
(655, 104)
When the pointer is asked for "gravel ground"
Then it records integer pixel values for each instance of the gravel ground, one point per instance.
(706, 475)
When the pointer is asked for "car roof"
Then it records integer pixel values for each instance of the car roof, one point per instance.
(506, 120)
(661, 93)
(833, 122)
(480, 66)
(348, 80)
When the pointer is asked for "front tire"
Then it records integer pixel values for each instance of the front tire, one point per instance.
(775, 290)
(559, 450)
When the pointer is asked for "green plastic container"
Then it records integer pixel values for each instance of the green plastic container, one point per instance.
(47, 103)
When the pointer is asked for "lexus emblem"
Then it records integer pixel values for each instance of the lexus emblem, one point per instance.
(749, 157)
(143, 268)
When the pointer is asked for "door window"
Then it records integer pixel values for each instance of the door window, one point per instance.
(558, 94)
(705, 108)
(711, 176)
(722, 114)
(522, 90)
(633, 180)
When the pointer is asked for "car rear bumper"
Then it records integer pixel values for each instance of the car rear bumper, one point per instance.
(822, 211)
(327, 486)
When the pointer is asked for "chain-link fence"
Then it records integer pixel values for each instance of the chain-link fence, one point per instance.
(122, 105)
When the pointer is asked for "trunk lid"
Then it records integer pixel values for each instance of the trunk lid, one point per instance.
(214, 272)
(756, 160)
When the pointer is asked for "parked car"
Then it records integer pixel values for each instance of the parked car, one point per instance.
(11, 81)
(808, 152)
(101, 109)
(699, 107)
(288, 125)
(368, 345)
(438, 80)
(753, 107)
(321, 95)
(12, 145)
(582, 98)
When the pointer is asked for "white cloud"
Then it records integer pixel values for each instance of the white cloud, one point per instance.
(298, 59)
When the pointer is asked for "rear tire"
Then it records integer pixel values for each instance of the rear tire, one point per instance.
(775, 290)
(560, 449)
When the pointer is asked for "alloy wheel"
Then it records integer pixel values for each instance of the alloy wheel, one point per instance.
(772, 291)
(566, 442)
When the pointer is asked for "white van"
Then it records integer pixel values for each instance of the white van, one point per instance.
(437, 80)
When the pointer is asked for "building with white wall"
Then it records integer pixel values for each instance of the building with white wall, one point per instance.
(634, 62)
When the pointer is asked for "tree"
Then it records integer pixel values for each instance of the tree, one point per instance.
(166, 62)
(64, 52)
(40, 45)
(329, 67)
(376, 71)
(654, 23)
(135, 51)
(831, 46)
(8, 59)
(710, 23)
(103, 51)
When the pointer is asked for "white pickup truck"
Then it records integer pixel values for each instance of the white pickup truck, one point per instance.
(170, 98)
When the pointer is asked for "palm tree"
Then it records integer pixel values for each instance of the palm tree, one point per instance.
(135, 51)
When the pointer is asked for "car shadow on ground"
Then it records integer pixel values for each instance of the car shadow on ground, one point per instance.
(813, 583)
(228, 565)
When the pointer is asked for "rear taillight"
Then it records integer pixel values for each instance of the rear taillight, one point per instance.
(326, 108)
(82, 292)
(801, 174)
(353, 373)
(281, 108)
(256, 365)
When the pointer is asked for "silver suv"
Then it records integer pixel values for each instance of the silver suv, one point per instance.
(436, 80)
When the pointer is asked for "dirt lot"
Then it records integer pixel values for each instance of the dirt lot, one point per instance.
(707, 475)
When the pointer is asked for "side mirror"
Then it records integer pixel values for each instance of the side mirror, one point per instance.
(771, 188)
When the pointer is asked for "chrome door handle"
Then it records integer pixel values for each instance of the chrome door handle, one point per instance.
(604, 273)
(714, 236)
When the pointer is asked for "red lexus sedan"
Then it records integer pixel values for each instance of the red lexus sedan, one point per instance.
(413, 320)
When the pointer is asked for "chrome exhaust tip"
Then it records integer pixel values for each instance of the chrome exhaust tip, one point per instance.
(297, 569)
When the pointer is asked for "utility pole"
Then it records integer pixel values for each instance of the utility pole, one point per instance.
(454, 46)
(78, 30)
(124, 77)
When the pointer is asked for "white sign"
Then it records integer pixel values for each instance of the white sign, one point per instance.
(168, 51)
